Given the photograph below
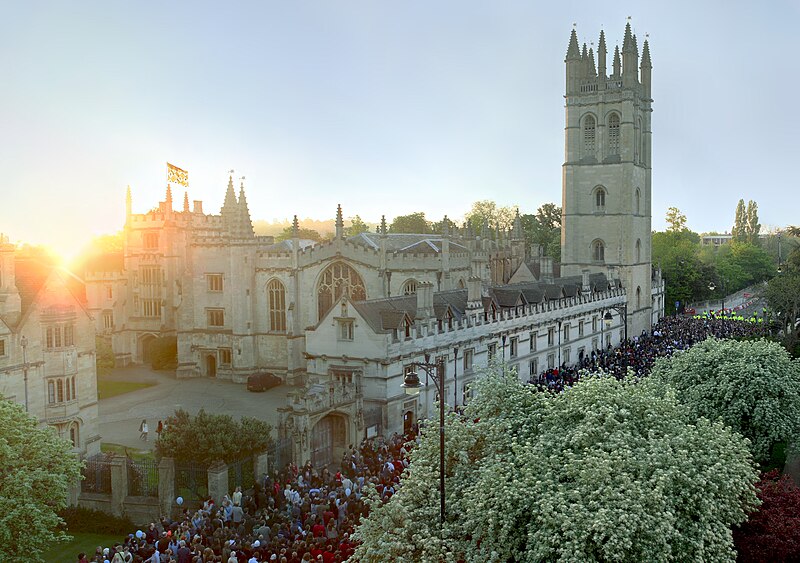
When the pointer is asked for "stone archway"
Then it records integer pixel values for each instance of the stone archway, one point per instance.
(145, 347)
(328, 439)
(408, 421)
(211, 365)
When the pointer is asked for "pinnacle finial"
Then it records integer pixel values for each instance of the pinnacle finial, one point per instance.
(646, 54)
(628, 45)
(295, 227)
(339, 222)
(383, 224)
(186, 202)
(573, 51)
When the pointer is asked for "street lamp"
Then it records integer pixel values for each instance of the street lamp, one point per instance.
(455, 377)
(623, 313)
(24, 343)
(412, 386)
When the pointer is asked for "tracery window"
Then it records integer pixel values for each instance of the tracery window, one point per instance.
(337, 280)
(276, 294)
(613, 134)
(598, 251)
(600, 199)
(410, 287)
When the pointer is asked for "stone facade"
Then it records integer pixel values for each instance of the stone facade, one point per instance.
(606, 197)
(47, 348)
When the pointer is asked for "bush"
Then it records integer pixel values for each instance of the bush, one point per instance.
(85, 520)
(207, 438)
(164, 353)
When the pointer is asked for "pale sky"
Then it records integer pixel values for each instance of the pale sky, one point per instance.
(385, 107)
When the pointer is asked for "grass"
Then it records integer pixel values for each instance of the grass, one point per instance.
(138, 455)
(107, 388)
(67, 552)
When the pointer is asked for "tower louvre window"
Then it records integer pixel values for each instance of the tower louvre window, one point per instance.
(589, 128)
(613, 134)
(600, 199)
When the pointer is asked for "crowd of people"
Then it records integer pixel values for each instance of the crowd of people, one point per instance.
(303, 514)
(636, 356)
(298, 514)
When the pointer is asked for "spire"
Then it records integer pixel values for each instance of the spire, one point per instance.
(592, 70)
(295, 228)
(617, 63)
(128, 202)
(445, 226)
(186, 202)
(339, 222)
(168, 200)
(383, 225)
(646, 55)
(601, 55)
(245, 224)
(230, 209)
(573, 51)
(517, 233)
(627, 42)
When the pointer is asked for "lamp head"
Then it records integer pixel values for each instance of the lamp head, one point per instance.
(607, 319)
(712, 286)
(411, 383)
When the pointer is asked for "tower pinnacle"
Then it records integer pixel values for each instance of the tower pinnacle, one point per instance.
(339, 222)
(601, 55)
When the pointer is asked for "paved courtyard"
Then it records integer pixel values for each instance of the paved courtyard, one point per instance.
(120, 416)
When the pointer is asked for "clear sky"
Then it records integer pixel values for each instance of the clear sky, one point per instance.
(384, 107)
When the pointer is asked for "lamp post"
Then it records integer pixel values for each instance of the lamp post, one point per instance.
(412, 386)
(24, 343)
(712, 287)
(623, 313)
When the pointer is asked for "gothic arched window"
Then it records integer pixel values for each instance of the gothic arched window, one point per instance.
(337, 280)
(51, 392)
(613, 133)
(74, 435)
(410, 287)
(599, 198)
(276, 296)
(598, 251)
(637, 204)
(640, 144)
(589, 128)
(638, 297)
(60, 386)
(638, 250)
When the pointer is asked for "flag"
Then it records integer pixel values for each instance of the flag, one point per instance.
(177, 175)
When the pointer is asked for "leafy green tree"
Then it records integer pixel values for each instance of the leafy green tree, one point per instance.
(739, 230)
(751, 386)
(36, 468)
(356, 227)
(687, 277)
(676, 221)
(783, 296)
(753, 226)
(606, 471)
(544, 228)
(413, 223)
(207, 438)
(487, 212)
(304, 233)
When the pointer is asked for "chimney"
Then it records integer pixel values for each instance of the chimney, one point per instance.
(474, 293)
(424, 300)
(546, 269)
(198, 206)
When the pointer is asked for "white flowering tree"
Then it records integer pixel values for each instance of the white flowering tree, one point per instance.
(36, 469)
(604, 471)
(752, 386)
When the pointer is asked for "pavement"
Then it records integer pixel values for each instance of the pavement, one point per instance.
(120, 416)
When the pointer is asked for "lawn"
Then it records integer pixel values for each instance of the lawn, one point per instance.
(108, 388)
(137, 455)
(67, 552)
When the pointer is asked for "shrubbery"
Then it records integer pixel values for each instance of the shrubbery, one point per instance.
(85, 520)
(164, 353)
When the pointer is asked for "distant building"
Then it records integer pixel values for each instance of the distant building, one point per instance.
(47, 348)
(715, 240)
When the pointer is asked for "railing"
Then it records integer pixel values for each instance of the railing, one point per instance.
(97, 475)
(241, 473)
(191, 481)
(142, 478)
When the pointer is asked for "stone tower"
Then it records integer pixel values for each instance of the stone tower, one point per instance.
(607, 170)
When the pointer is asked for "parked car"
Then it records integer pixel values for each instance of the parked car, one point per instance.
(262, 381)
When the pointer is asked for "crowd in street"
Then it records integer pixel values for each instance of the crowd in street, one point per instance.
(299, 514)
(303, 514)
(637, 355)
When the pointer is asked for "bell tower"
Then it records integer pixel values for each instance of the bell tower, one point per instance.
(607, 170)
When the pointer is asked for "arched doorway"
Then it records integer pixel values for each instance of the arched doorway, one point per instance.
(211, 366)
(145, 347)
(408, 422)
(328, 440)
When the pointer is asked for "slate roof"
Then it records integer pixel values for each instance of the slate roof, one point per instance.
(406, 243)
(287, 245)
(386, 314)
